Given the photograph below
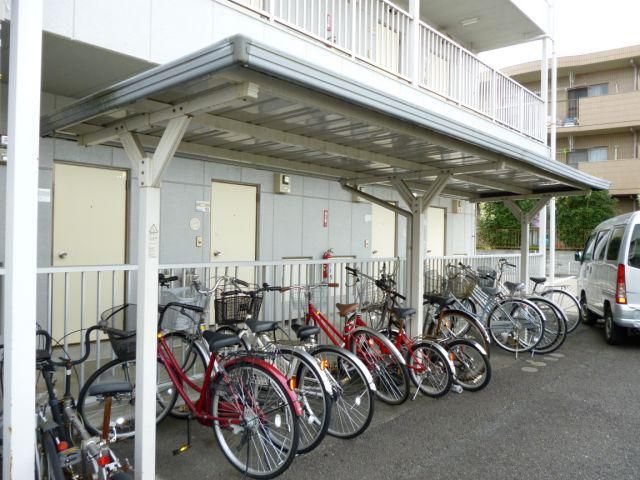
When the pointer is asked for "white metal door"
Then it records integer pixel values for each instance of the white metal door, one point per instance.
(233, 224)
(89, 228)
(435, 231)
(383, 232)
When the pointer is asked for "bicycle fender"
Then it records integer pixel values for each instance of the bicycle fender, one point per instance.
(475, 344)
(311, 362)
(276, 373)
(441, 349)
(387, 343)
(358, 363)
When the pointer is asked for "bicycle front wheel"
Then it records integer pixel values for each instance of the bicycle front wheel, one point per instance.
(430, 369)
(353, 405)
(256, 423)
(472, 366)
(48, 465)
(569, 305)
(385, 363)
(516, 325)
(91, 400)
(555, 326)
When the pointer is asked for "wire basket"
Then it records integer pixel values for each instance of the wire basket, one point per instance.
(176, 318)
(434, 283)
(119, 325)
(236, 308)
(368, 293)
(487, 277)
(461, 286)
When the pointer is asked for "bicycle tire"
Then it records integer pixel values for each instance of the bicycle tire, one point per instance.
(353, 404)
(50, 467)
(309, 385)
(386, 364)
(461, 324)
(515, 324)
(90, 407)
(555, 328)
(228, 399)
(472, 365)
(569, 305)
(193, 364)
(427, 362)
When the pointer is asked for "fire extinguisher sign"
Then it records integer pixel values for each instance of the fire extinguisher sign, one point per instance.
(325, 218)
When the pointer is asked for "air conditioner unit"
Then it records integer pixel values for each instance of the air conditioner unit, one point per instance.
(457, 206)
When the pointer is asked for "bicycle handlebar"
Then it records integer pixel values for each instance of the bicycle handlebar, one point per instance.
(67, 362)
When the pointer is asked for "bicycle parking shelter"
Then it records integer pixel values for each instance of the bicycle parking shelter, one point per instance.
(213, 105)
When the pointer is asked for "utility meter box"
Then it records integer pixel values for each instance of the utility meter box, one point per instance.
(282, 183)
(457, 206)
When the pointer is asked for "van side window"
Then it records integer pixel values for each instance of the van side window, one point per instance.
(588, 248)
(601, 241)
(634, 248)
(614, 243)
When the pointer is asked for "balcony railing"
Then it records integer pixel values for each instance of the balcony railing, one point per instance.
(380, 33)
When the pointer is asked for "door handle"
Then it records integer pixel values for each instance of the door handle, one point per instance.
(63, 254)
(217, 253)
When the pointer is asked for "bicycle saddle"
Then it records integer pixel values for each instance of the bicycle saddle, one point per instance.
(404, 312)
(514, 287)
(217, 340)
(345, 309)
(538, 280)
(305, 332)
(440, 300)
(109, 388)
(257, 326)
(491, 291)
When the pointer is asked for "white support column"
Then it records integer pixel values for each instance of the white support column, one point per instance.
(21, 240)
(416, 280)
(544, 86)
(525, 229)
(414, 42)
(542, 241)
(552, 241)
(149, 171)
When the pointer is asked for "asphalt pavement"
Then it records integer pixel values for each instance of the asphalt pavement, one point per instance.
(571, 415)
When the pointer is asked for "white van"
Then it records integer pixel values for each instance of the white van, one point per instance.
(609, 279)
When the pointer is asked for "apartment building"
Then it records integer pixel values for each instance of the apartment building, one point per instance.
(598, 116)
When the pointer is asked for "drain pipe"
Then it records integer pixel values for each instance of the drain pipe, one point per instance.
(634, 132)
(635, 74)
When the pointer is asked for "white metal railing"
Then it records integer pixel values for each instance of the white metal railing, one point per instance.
(439, 264)
(379, 32)
(452, 71)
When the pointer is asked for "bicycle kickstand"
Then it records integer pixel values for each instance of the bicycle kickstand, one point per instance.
(184, 447)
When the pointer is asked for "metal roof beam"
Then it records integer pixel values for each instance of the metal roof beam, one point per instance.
(249, 159)
(404, 191)
(485, 182)
(264, 133)
(436, 189)
(502, 198)
(431, 172)
(421, 187)
(222, 98)
(376, 200)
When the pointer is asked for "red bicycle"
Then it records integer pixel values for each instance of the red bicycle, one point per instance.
(387, 366)
(427, 362)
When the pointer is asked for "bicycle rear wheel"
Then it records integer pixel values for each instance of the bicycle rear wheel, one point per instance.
(353, 405)
(257, 428)
(91, 401)
(386, 364)
(472, 366)
(555, 326)
(48, 465)
(516, 325)
(569, 305)
(460, 324)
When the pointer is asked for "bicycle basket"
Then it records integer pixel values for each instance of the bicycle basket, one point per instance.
(176, 318)
(487, 277)
(368, 293)
(119, 324)
(236, 308)
(434, 283)
(461, 286)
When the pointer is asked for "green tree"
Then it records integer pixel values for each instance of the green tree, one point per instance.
(497, 227)
(577, 216)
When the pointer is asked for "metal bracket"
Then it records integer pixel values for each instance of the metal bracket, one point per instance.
(374, 199)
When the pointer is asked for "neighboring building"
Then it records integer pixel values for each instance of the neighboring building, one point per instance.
(598, 116)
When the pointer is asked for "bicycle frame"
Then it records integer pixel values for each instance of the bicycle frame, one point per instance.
(200, 409)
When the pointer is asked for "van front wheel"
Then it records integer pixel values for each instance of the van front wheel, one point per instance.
(613, 334)
(588, 317)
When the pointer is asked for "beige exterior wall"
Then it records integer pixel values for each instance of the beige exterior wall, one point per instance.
(624, 174)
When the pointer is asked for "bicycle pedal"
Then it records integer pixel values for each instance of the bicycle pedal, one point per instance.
(181, 449)
(70, 456)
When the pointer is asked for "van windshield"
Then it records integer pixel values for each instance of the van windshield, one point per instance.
(634, 248)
